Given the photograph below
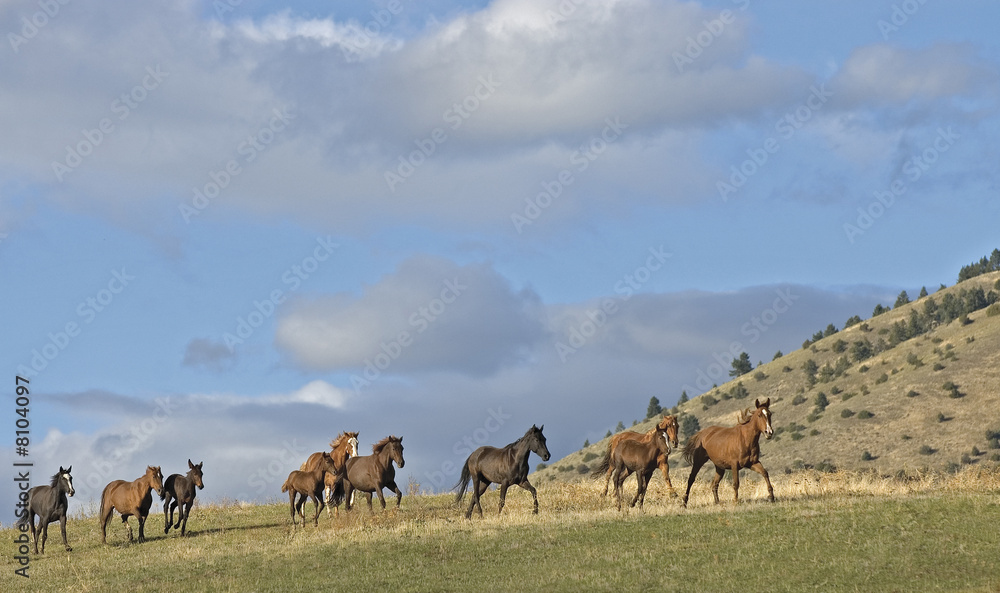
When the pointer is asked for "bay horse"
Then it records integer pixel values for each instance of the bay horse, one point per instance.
(182, 490)
(301, 485)
(371, 473)
(668, 424)
(50, 504)
(639, 456)
(505, 466)
(342, 448)
(130, 498)
(732, 448)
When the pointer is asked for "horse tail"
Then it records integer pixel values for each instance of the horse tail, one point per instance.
(284, 485)
(602, 468)
(337, 496)
(104, 501)
(463, 482)
(693, 444)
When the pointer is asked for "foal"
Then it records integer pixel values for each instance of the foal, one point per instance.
(182, 490)
(50, 504)
(130, 498)
(639, 456)
(309, 484)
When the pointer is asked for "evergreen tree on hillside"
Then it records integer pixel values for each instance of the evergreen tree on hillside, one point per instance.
(830, 330)
(741, 365)
(620, 427)
(654, 408)
(689, 425)
(923, 292)
(902, 299)
(879, 309)
(684, 398)
(852, 321)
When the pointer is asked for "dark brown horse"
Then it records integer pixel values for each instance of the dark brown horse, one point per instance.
(301, 485)
(342, 448)
(505, 466)
(732, 448)
(668, 424)
(130, 498)
(181, 489)
(639, 456)
(50, 504)
(371, 473)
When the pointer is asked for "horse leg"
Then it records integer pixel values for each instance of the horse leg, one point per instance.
(128, 526)
(534, 494)
(62, 527)
(44, 527)
(757, 467)
(399, 494)
(168, 518)
(183, 519)
(666, 476)
(619, 479)
(639, 489)
(503, 496)
(736, 484)
(316, 504)
(607, 479)
(34, 531)
(368, 497)
(697, 461)
(474, 499)
(348, 495)
(179, 507)
(104, 523)
(142, 526)
(720, 472)
(381, 497)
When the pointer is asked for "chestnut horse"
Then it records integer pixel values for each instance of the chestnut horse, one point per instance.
(130, 498)
(371, 473)
(182, 490)
(342, 448)
(732, 448)
(309, 484)
(639, 456)
(668, 424)
(505, 467)
(50, 504)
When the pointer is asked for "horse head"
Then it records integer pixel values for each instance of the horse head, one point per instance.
(65, 478)
(669, 424)
(155, 477)
(764, 422)
(536, 442)
(396, 450)
(195, 474)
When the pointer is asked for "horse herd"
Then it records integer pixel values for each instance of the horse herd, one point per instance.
(331, 478)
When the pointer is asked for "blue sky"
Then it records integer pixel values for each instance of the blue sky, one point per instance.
(230, 236)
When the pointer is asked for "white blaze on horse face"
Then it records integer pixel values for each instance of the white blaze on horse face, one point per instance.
(666, 440)
(768, 431)
(69, 482)
(353, 442)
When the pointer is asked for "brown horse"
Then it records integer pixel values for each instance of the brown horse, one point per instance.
(371, 473)
(308, 484)
(732, 448)
(505, 467)
(668, 424)
(130, 498)
(639, 456)
(50, 504)
(342, 448)
(182, 490)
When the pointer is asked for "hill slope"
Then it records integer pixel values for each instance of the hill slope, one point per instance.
(897, 405)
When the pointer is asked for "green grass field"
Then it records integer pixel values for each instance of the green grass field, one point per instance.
(827, 532)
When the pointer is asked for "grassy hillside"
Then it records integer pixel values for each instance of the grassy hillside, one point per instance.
(835, 532)
(896, 410)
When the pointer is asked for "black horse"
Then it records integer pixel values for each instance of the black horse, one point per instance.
(505, 467)
(50, 504)
(182, 490)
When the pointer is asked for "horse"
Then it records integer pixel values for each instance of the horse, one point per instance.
(371, 473)
(342, 448)
(130, 498)
(504, 466)
(182, 490)
(639, 456)
(732, 448)
(50, 504)
(668, 424)
(309, 484)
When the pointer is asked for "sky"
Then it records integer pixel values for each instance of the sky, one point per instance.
(231, 230)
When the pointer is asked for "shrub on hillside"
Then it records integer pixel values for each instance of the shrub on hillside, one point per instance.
(865, 414)
(926, 450)
(845, 413)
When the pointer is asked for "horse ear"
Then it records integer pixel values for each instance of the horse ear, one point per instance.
(767, 402)
(756, 402)
(69, 469)
(61, 470)
(190, 465)
(541, 428)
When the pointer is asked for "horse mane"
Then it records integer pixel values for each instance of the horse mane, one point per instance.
(341, 438)
(377, 447)
(55, 480)
(744, 416)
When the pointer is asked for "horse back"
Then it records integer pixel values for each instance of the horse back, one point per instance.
(727, 446)
(635, 455)
(47, 502)
(498, 465)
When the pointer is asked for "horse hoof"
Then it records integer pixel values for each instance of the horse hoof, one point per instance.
(69, 549)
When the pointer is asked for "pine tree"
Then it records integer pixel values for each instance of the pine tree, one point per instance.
(654, 408)
(684, 398)
(741, 366)
(689, 425)
(620, 427)
(923, 292)
(901, 300)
